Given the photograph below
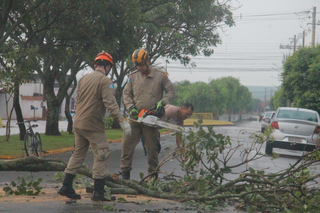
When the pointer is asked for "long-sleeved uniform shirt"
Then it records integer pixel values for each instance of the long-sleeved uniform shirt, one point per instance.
(144, 91)
(95, 95)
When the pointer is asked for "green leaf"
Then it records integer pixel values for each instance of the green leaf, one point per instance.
(141, 175)
(121, 199)
(107, 193)
(252, 171)
(107, 208)
(225, 170)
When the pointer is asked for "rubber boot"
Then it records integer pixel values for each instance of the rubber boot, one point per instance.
(66, 189)
(126, 175)
(98, 193)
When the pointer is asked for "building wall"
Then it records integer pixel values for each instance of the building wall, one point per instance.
(31, 94)
(37, 103)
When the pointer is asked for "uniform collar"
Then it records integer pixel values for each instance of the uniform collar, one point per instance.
(99, 71)
(151, 73)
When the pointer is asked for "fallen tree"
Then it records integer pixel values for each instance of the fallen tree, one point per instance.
(293, 189)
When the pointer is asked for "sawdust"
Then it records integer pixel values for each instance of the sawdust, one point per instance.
(50, 194)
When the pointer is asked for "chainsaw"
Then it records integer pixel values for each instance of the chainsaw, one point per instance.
(148, 118)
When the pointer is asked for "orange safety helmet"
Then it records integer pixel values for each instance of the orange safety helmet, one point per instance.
(139, 57)
(103, 56)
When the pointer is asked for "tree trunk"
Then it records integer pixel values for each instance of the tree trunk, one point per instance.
(216, 115)
(68, 115)
(67, 107)
(52, 124)
(18, 111)
(118, 95)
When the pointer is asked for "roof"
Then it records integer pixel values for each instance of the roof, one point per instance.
(264, 104)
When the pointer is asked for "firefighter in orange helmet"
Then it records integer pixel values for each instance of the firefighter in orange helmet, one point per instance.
(95, 95)
(144, 90)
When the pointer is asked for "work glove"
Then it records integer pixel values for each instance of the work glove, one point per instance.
(159, 109)
(126, 127)
(133, 112)
(159, 106)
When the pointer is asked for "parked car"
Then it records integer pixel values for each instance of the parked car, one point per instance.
(294, 128)
(266, 120)
(261, 116)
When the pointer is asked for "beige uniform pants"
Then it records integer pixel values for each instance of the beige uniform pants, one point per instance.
(100, 149)
(129, 143)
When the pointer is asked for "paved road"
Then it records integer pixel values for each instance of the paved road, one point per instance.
(239, 134)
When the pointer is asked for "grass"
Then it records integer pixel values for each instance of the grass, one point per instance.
(49, 142)
(15, 147)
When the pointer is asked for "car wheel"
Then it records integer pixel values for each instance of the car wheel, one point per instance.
(269, 148)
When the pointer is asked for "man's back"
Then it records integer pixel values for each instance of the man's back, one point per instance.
(90, 109)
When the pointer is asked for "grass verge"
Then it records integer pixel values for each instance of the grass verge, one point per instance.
(15, 147)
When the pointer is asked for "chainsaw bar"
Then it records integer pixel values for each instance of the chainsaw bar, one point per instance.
(154, 121)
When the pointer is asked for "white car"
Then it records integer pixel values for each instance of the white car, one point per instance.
(266, 120)
(294, 128)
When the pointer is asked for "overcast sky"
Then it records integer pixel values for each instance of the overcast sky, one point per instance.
(251, 50)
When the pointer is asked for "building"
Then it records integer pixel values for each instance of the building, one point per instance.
(32, 101)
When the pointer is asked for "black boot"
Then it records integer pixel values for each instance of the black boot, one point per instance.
(66, 189)
(126, 175)
(98, 193)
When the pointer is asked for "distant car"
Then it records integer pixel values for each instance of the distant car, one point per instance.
(266, 120)
(294, 128)
(261, 116)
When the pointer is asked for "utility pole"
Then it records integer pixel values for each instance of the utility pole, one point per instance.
(313, 42)
(265, 95)
(303, 38)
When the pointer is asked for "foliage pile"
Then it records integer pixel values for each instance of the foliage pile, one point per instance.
(24, 186)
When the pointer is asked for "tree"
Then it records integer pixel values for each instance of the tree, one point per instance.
(217, 94)
(231, 84)
(12, 14)
(278, 100)
(301, 75)
(172, 29)
(244, 100)
(180, 88)
(220, 97)
(16, 65)
(196, 93)
(61, 31)
(67, 34)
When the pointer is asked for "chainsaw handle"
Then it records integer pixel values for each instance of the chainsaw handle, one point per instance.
(143, 113)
